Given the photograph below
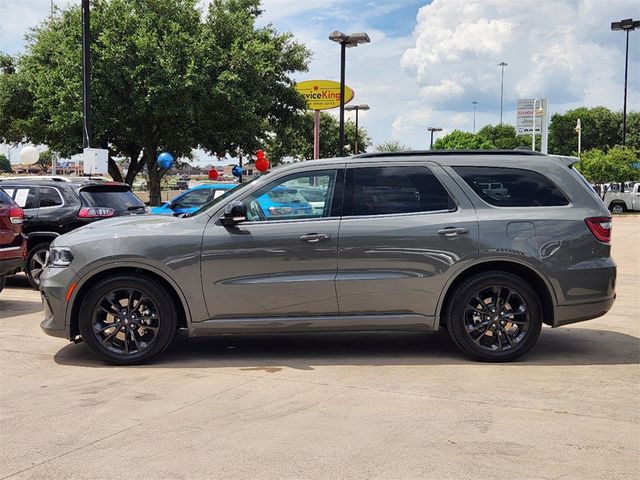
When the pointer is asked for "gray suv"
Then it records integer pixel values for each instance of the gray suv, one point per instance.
(488, 244)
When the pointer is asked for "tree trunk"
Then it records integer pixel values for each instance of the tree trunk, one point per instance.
(136, 164)
(155, 175)
(114, 171)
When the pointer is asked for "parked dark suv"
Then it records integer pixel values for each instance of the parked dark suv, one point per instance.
(56, 205)
(488, 244)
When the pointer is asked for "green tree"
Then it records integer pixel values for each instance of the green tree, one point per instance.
(162, 80)
(297, 140)
(44, 160)
(392, 146)
(459, 140)
(5, 164)
(614, 166)
(601, 129)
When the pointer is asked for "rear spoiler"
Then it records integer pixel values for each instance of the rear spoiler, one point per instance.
(567, 160)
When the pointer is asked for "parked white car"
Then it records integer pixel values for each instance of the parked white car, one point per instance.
(618, 202)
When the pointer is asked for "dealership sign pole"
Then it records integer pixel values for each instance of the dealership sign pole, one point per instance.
(322, 95)
(530, 123)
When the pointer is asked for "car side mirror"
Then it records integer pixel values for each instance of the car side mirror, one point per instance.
(234, 213)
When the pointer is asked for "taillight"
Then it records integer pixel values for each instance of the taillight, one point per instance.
(16, 215)
(96, 212)
(600, 227)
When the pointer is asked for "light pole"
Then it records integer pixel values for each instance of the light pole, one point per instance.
(433, 129)
(86, 76)
(535, 112)
(502, 64)
(579, 132)
(474, 115)
(357, 108)
(352, 40)
(626, 25)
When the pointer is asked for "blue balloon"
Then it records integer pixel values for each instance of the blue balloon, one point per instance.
(165, 160)
(237, 171)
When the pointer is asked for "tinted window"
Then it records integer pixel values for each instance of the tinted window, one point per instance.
(283, 199)
(4, 198)
(118, 198)
(23, 196)
(512, 187)
(49, 197)
(388, 190)
(193, 199)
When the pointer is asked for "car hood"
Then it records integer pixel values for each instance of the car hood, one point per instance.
(120, 227)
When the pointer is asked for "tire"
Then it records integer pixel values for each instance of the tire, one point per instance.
(120, 335)
(617, 208)
(491, 334)
(36, 259)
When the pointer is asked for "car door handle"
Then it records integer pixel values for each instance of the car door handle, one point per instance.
(453, 231)
(314, 237)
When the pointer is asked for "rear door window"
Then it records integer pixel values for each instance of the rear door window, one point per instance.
(512, 187)
(25, 197)
(390, 190)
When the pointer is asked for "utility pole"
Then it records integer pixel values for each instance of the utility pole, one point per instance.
(86, 76)
(474, 115)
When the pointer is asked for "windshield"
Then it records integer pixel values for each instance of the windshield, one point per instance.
(217, 200)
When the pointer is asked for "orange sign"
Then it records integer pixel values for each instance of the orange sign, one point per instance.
(323, 94)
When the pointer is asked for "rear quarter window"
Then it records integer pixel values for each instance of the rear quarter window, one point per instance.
(512, 187)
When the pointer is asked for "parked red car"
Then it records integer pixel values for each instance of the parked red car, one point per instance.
(13, 244)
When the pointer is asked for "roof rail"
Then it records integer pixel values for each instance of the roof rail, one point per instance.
(416, 153)
(54, 178)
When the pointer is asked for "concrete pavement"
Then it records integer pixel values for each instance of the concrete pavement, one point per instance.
(371, 405)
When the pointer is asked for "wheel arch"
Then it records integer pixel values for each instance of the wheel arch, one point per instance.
(542, 288)
(141, 271)
(33, 238)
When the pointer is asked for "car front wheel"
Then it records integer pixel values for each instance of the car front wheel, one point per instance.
(494, 317)
(36, 261)
(126, 320)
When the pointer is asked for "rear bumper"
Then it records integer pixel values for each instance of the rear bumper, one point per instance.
(566, 314)
(9, 266)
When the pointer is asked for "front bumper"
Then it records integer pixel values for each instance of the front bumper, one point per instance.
(54, 284)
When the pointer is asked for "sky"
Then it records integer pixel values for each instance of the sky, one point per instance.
(429, 60)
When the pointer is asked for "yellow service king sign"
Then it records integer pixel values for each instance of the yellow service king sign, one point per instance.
(323, 94)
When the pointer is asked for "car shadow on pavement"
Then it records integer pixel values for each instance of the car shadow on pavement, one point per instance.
(9, 306)
(566, 346)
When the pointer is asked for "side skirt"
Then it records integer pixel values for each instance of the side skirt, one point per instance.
(342, 323)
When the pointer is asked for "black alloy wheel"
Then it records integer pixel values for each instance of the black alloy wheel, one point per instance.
(36, 262)
(495, 316)
(127, 319)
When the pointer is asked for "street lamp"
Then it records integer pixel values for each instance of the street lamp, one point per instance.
(352, 40)
(502, 64)
(474, 115)
(535, 112)
(579, 132)
(626, 25)
(357, 108)
(433, 129)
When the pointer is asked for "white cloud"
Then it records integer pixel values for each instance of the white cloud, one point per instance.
(561, 49)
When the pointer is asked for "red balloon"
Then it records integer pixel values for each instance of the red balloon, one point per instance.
(213, 174)
(262, 164)
(260, 154)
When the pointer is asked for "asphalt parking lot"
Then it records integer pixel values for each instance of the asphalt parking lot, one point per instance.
(383, 405)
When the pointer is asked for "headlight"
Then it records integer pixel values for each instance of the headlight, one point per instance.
(60, 257)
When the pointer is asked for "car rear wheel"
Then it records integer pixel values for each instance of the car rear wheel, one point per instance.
(618, 208)
(36, 261)
(494, 317)
(127, 320)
